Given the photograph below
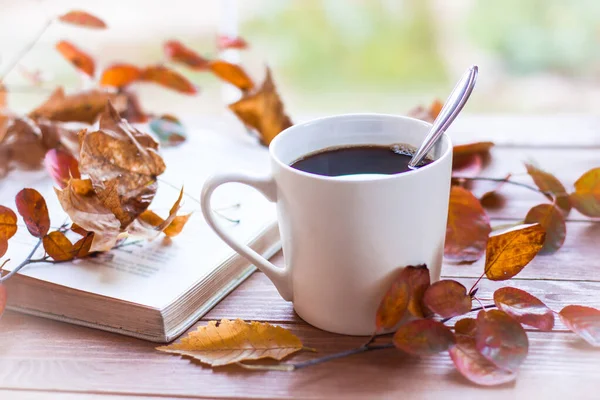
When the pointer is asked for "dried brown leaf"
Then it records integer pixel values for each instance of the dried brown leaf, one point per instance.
(447, 298)
(32, 207)
(524, 307)
(81, 60)
(149, 224)
(22, 145)
(424, 337)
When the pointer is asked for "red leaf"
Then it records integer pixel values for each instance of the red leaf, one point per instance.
(120, 75)
(547, 182)
(501, 339)
(61, 166)
(75, 56)
(58, 246)
(8, 223)
(553, 222)
(227, 42)
(424, 337)
(231, 73)
(467, 167)
(447, 298)
(32, 207)
(468, 227)
(175, 51)
(586, 198)
(584, 321)
(524, 307)
(82, 18)
(168, 78)
(3, 298)
(466, 327)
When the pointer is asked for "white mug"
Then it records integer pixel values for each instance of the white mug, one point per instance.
(344, 240)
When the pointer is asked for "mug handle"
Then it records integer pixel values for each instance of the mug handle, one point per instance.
(268, 188)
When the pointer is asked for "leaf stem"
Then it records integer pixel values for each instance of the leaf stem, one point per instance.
(473, 309)
(23, 52)
(524, 185)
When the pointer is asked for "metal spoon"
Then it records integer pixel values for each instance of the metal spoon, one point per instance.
(453, 106)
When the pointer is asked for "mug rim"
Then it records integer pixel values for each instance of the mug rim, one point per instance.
(288, 131)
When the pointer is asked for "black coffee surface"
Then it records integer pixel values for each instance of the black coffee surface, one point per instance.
(353, 160)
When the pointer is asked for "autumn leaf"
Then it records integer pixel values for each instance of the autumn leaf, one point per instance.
(524, 307)
(227, 42)
(509, 252)
(428, 114)
(467, 167)
(447, 298)
(547, 182)
(465, 150)
(468, 227)
(168, 78)
(231, 73)
(61, 166)
(423, 337)
(77, 57)
(120, 75)
(55, 135)
(22, 145)
(83, 19)
(149, 224)
(466, 327)
(263, 111)
(490, 197)
(584, 321)
(133, 112)
(3, 297)
(32, 207)
(8, 227)
(58, 246)
(553, 221)
(231, 342)
(169, 130)
(175, 51)
(83, 247)
(123, 164)
(586, 198)
(501, 339)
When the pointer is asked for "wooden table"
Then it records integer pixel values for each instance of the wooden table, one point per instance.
(42, 359)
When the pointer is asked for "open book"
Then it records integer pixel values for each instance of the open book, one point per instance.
(152, 290)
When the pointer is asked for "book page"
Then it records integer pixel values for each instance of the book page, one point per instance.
(157, 272)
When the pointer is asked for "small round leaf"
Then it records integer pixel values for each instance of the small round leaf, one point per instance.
(552, 220)
(447, 298)
(524, 307)
(58, 246)
(32, 207)
(584, 321)
(8, 223)
(586, 198)
(424, 337)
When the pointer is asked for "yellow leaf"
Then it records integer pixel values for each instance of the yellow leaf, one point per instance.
(234, 341)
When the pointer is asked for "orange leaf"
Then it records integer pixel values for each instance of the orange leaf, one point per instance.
(447, 298)
(524, 307)
(428, 114)
(79, 230)
(175, 51)
(149, 224)
(120, 75)
(168, 78)
(176, 226)
(466, 327)
(3, 296)
(584, 321)
(586, 198)
(471, 148)
(553, 222)
(62, 166)
(75, 56)
(424, 337)
(8, 223)
(82, 248)
(58, 246)
(231, 73)
(547, 182)
(468, 227)
(32, 207)
(508, 253)
(467, 167)
(227, 42)
(82, 18)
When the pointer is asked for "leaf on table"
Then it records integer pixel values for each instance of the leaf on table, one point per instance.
(58, 246)
(447, 298)
(263, 111)
(32, 207)
(123, 164)
(169, 129)
(524, 307)
(467, 167)
(231, 342)
(547, 182)
(468, 227)
(586, 198)
(83, 19)
(553, 221)
(501, 339)
(83, 247)
(80, 107)
(469, 149)
(177, 52)
(81, 60)
(423, 337)
(428, 114)
(149, 224)
(490, 197)
(3, 296)
(584, 321)
(225, 42)
(232, 73)
(466, 327)
(61, 166)
(509, 252)
(168, 78)
(120, 75)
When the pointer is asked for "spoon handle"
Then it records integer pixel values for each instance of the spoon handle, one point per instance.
(455, 103)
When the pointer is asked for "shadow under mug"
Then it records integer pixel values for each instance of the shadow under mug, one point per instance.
(344, 240)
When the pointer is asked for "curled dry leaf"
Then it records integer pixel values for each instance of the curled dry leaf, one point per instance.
(423, 337)
(501, 339)
(509, 252)
(77, 57)
(468, 227)
(263, 110)
(447, 298)
(61, 166)
(227, 42)
(32, 207)
(149, 224)
(231, 73)
(428, 114)
(177, 52)
(168, 78)
(553, 221)
(230, 342)
(120, 75)
(22, 145)
(584, 321)
(586, 198)
(547, 182)
(82, 18)
(524, 307)
(58, 246)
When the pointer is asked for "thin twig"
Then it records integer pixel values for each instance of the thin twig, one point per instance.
(524, 185)
(24, 263)
(23, 52)
(472, 310)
